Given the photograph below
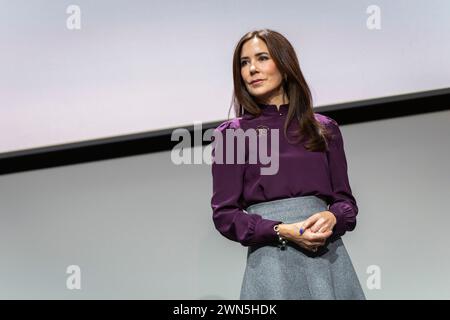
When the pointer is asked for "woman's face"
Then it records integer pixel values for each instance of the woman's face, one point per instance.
(256, 63)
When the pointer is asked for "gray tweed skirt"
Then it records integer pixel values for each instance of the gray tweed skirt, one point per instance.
(296, 273)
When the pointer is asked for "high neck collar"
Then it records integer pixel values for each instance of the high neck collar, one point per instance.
(272, 108)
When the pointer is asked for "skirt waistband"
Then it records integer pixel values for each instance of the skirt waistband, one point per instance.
(289, 210)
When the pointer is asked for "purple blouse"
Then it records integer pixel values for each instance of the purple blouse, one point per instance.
(300, 173)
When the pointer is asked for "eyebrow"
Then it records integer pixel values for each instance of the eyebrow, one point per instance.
(258, 54)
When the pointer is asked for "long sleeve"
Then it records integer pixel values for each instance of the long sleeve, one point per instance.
(228, 184)
(343, 204)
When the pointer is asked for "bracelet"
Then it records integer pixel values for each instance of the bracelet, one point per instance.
(282, 241)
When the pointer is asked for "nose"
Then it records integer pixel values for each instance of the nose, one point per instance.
(252, 69)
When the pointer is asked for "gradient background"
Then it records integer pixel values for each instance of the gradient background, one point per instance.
(140, 227)
(138, 66)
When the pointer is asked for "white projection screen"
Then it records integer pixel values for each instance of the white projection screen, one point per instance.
(74, 71)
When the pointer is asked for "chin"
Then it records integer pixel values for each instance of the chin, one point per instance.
(260, 92)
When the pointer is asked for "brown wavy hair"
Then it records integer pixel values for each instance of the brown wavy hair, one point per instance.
(294, 85)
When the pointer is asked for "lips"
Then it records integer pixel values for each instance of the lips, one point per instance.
(257, 81)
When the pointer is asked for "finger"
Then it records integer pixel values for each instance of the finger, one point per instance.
(312, 244)
(311, 236)
(320, 236)
(308, 236)
(324, 228)
(304, 246)
(308, 244)
(308, 222)
(319, 223)
(305, 243)
(318, 243)
(310, 248)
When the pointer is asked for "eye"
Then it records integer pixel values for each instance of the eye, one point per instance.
(261, 58)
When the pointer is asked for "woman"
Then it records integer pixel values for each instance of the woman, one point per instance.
(291, 221)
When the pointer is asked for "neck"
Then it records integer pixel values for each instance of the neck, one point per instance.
(276, 100)
(277, 103)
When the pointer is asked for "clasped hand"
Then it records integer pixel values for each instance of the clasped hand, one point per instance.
(316, 230)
